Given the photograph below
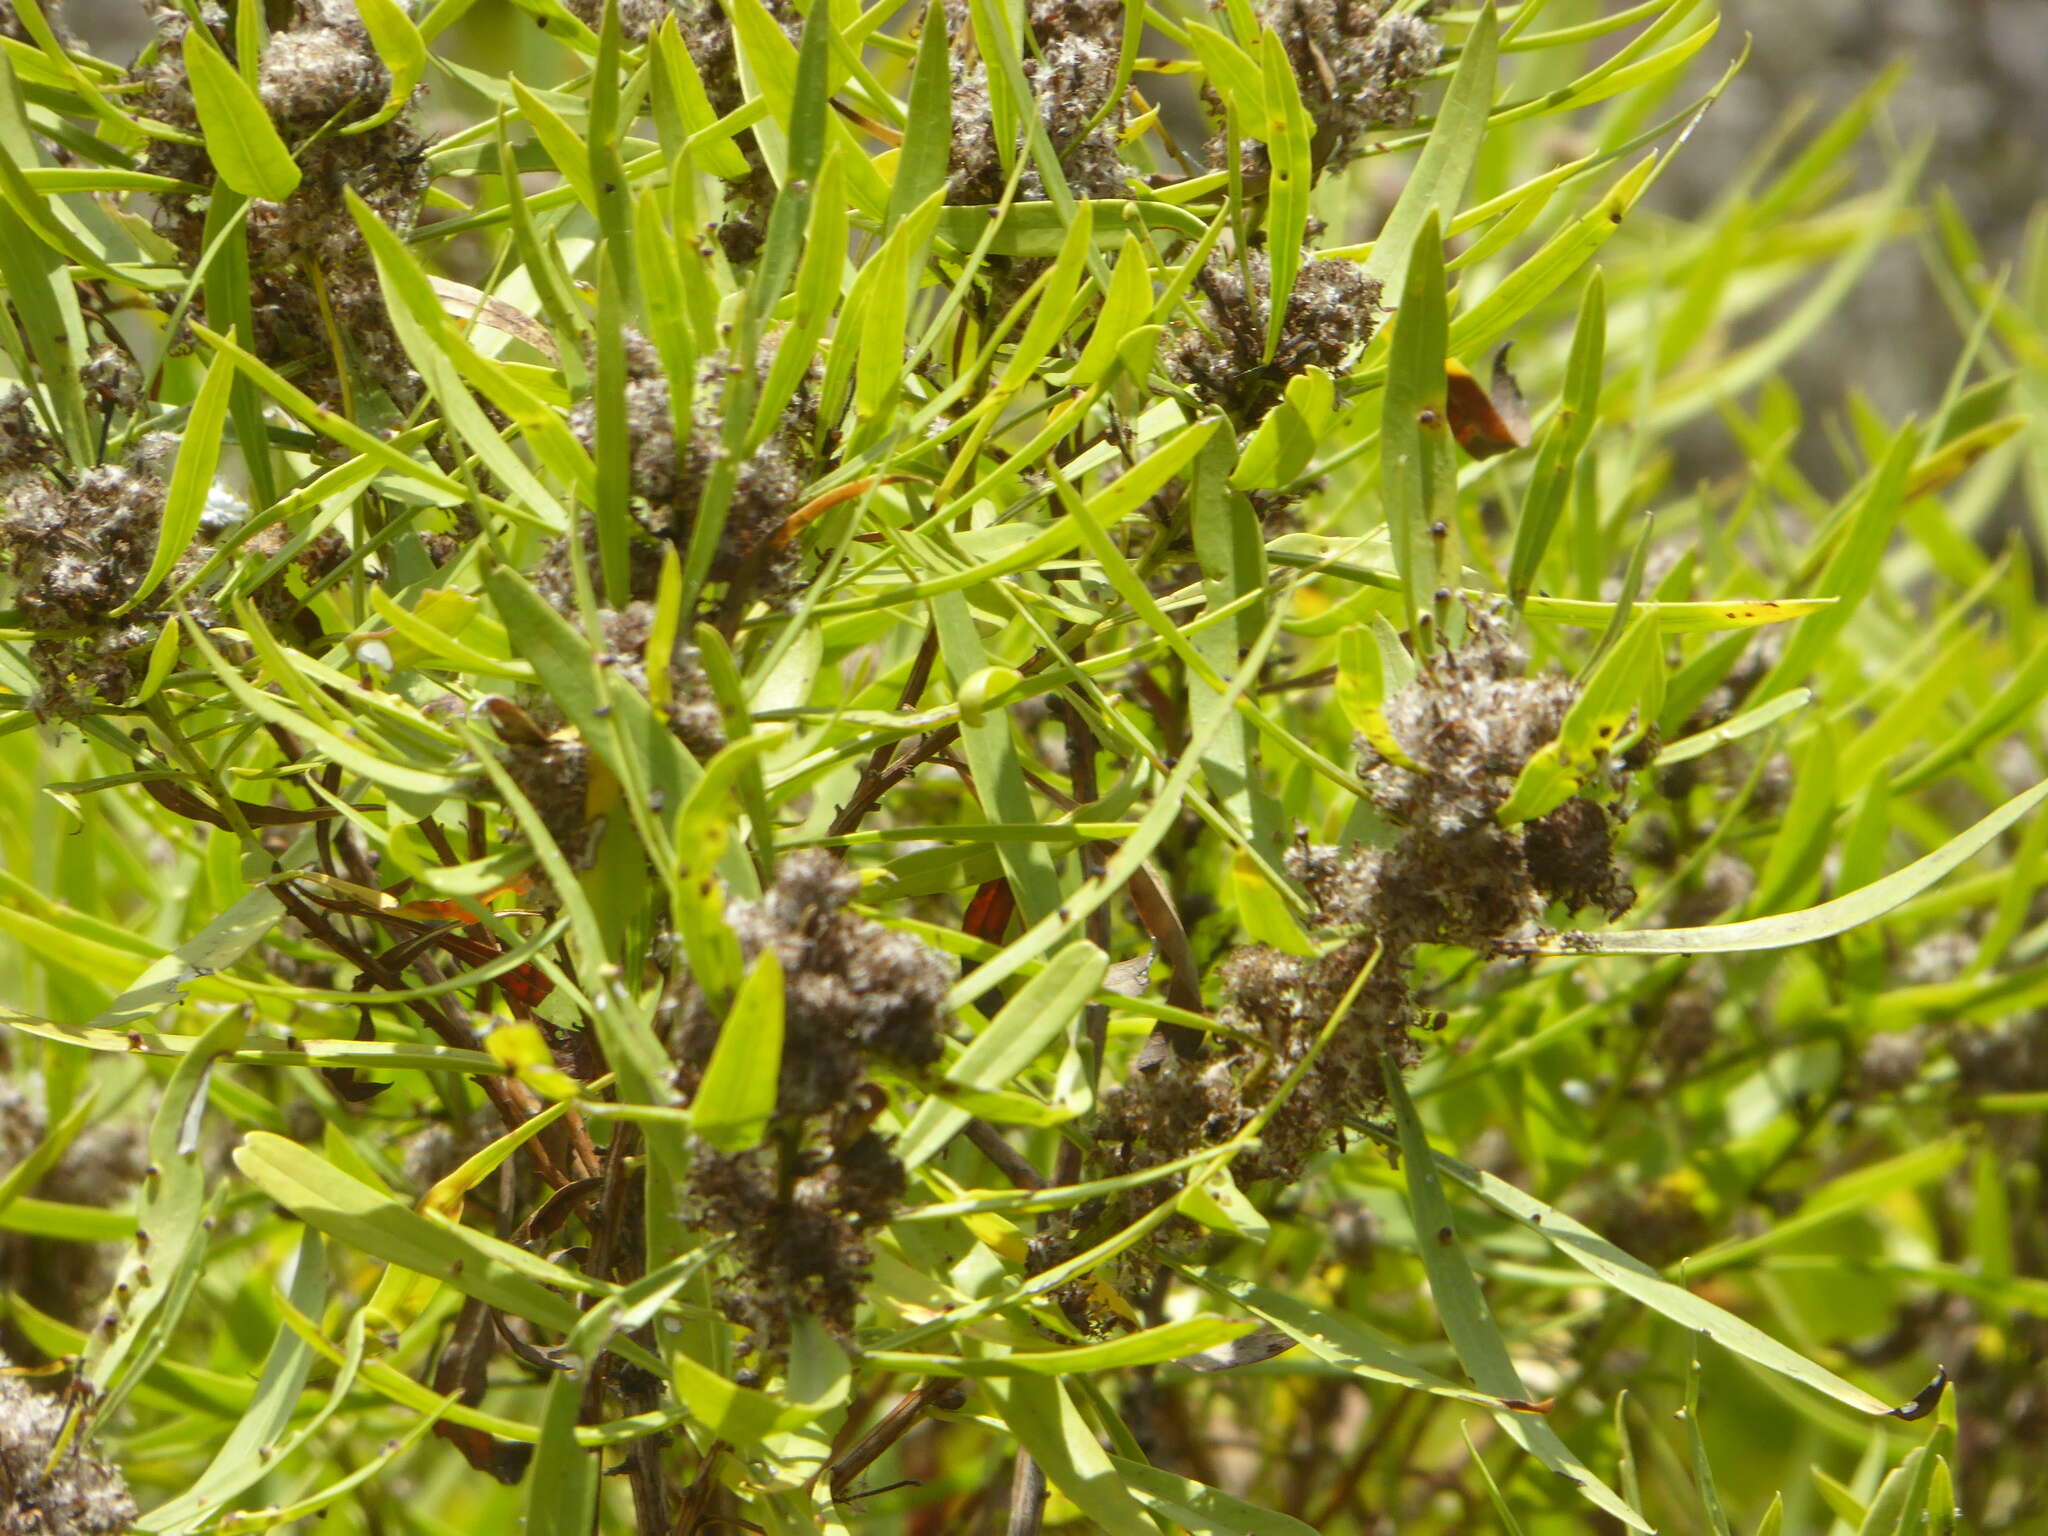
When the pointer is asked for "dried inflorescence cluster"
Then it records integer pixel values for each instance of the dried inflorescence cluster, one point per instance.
(1071, 68)
(77, 546)
(1357, 66)
(671, 470)
(796, 1208)
(99, 1168)
(707, 35)
(80, 1495)
(1452, 875)
(1331, 312)
(307, 259)
(637, 18)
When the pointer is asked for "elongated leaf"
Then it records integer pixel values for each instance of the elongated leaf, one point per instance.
(240, 138)
(1043, 1417)
(404, 52)
(350, 1211)
(1632, 1277)
(1197, 1508)
(245, 1454)
(737, 1096)
(1821, 922)
(1418, 472)
(1043, 1009)
(191, 479)
(1437, 184)
(1468, 1320)
(172, 1230)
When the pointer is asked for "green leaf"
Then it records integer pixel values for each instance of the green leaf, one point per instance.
(1824, 921)
(404, 52)
(191, 480)
(1126, 307)
(1563, 437)
(172, 1226)
(240, 139)
(1632, 1277)
(1629, 680)
(1419, 483)
(737, 1097)
(1372, 666)
(1043, 1010)
(1288, 435)
(1217, 1203)
(244, 1456)
(1149, 1346)
(1199, 1509)
(1043, 1417)
(1334, 1337)
(474, 1263)
(1437, 184)
(1467, 1318)
(921, 163)
(728, 1411)
(1237, 78)
(1286, 133)
(563, 1479)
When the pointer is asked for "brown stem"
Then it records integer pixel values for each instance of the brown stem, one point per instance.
(940, 1391)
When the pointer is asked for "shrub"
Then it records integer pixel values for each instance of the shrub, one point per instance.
(861, 771)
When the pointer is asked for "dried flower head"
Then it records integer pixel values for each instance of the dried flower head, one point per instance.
(637, 18)
(313, 286)
(80, 1496)
(796, 1208)
(1452, 875)
(1071, 70)
(1357, 67)
(853, 990)
(670, 475)
(25, 447)
(76, 552)
(1331, 312)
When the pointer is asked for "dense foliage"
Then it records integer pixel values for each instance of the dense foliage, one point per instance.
(860, 771)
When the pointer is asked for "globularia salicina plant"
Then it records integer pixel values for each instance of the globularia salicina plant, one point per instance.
(860, 770)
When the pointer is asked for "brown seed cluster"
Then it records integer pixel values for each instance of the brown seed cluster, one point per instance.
(80, 1496)
(637, 18)
(670, 471)
(77, 547)
(1070, 66)
(796, 1208)
(707, 34)
(1356, 65)
(1452, 875)
(306, 256)
(1331, 313)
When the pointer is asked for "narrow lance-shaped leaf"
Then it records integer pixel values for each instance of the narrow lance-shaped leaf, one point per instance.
(1467, 1319)
(191, 478)
(1563, 437)
(1437, 184)
(1418, 477)
(171, 1226)
(1821, 922)
(404, 52)
(1629, 680)
(928, 138)
(1043, 1009)
(737, 1096)
(1286, 133)
(240, 138)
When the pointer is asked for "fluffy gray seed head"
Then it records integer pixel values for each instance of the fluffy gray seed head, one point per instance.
(80, 1496)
